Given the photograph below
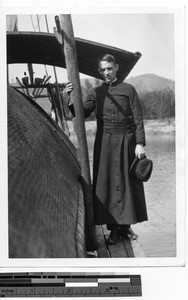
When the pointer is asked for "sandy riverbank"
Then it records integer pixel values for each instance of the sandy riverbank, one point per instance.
(160, 126)
(157, 127)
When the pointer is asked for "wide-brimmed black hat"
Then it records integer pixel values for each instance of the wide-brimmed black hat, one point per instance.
(141, 168)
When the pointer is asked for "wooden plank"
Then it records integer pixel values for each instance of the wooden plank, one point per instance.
(128, 249)
(101, 243)
(133, 248)
(124, 248)
(117, 250)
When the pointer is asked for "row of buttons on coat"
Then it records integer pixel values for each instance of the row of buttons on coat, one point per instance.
(116, 164)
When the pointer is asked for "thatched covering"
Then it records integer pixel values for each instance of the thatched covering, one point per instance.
(43, 48)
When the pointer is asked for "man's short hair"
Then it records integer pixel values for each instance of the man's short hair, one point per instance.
(107, 57)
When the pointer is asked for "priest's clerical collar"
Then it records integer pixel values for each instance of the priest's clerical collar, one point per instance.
(110, 83)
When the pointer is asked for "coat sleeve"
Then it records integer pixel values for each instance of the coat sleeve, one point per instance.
(137, 116)
(90, 103)
(88, 106)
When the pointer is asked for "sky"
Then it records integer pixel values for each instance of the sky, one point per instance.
(152, 34)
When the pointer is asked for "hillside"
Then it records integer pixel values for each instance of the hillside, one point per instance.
(151, 82)
(142, 83)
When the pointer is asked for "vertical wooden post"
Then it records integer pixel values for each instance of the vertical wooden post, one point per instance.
(76, 98)
(30, 70)
(76, 95)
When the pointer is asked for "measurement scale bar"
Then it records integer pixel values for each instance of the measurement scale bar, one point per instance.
(69, 284)
(103, 280)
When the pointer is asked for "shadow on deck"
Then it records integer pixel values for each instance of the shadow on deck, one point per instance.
(124, 248)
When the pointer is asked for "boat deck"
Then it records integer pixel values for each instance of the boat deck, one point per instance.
(124, 248)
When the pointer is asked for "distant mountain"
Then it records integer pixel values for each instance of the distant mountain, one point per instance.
(151, 82)
(142, 83)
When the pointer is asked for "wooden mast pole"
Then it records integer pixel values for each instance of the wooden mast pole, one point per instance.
(76, 98)
(76, 95)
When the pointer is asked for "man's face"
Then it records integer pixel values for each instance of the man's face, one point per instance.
(108, 71)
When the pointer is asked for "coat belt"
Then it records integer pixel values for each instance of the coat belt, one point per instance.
(114, 127)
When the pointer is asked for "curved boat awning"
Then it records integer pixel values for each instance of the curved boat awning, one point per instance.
(43, 48)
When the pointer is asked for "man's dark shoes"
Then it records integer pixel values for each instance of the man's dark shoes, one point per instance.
(113, 237)
(126, 231)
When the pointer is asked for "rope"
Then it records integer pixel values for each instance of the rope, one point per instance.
(32, 22)
(38, 21)
(63, 117)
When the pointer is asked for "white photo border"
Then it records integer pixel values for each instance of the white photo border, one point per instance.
(179, 260)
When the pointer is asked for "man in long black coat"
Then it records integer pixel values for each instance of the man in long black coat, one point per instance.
(119, 200)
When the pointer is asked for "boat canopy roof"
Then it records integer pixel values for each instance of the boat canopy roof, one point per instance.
(43, 48)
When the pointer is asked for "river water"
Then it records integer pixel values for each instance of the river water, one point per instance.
(157, 236)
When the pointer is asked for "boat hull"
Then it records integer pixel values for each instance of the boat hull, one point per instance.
(45, 196)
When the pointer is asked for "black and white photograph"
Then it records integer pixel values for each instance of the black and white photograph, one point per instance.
(91, 135)
(92, 130)
(93, 140)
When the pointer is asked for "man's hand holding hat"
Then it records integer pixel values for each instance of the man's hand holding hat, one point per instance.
(140, 151)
